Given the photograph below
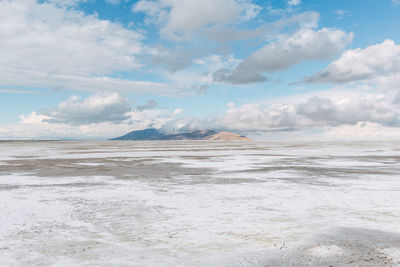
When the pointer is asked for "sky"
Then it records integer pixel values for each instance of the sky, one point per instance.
(272, 69)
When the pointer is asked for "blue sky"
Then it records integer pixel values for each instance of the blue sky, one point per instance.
(284, 68)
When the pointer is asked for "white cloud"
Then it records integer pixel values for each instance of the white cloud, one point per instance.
(153, 9)
(52, 45)
(95, 109)
(177, 112)
(33, 118)
(363, 130)
(49, 45)
(113, 2)
(396, 2)
(294, 2)
(98, 116)
(181, 66)
(319, 110)
(198, 78)
(42, 130)
(108, 115)
(304, 20)
(375, 61)
(35, 79)
(340, 12)
(180, 18)
(350, 110)
(48, 39)
(151, 104)
(66, 3)
(255, 117)
(304, 45)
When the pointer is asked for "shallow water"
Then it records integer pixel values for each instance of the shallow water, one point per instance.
(197, 203)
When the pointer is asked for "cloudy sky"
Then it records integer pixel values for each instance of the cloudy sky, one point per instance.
(96, 69)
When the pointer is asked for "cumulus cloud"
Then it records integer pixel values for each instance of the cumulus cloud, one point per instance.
(172, 61)
(180, 18)
(52, 45)
(43, 130)
(177, 112)
(33, 118)
(350, 110)
(323, 110)
(179, 61)
(100, 108)
(304, 45)
(255, 117)
(103, 115)
(374, 61)
(238, 76)
(244, 118)
(198, 78)
(304, 20)
(333, 111)
(94, 109)
(48, 39)
(34, 79)
(363, 130)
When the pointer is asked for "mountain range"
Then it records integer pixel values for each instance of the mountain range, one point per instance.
(154, 134)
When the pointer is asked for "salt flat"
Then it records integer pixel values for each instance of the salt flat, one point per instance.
(192, 203)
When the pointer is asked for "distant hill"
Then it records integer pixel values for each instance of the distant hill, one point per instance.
(227, 136)
(147, 134)
(154, 134)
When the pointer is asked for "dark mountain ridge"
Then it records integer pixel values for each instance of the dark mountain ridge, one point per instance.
(154, 134)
